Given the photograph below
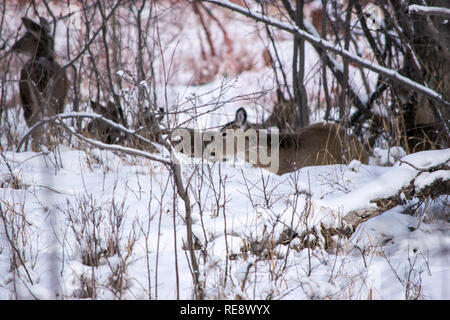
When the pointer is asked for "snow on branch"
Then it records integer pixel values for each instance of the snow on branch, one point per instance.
(361, 102)
(132, 151)
(335, 48)
(338, 70)
(115, 147)
(79, 115)
(431, 11)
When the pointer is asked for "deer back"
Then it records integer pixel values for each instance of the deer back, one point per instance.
(316, 144)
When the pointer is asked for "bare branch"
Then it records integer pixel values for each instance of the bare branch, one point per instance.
(317, 41)
(429, 11)
(79, 115)
(94, 36)
(115, 147)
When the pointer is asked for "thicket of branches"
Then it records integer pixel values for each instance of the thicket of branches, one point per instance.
(407, 47)
(405, 44)
(112, 48)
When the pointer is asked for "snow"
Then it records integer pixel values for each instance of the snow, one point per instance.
(439, 11)
(97, 179)
(426, 159)
(65, 195)
(388, 156)
(426, 180)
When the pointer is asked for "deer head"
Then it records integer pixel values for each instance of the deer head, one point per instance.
(37, 41)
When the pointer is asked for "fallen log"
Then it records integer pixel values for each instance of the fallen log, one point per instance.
(427, 179)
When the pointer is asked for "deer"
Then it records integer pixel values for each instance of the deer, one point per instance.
(182, 138)
(316, 144)
(103, 131)
(283, 114)
(43, 82)
(110, 134)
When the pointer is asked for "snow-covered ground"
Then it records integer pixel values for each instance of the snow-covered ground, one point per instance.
(59, 202)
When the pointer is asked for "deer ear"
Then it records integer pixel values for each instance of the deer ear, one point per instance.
(241, 117)
(115, 111)
(35, 29)
(94, 105)
(32, 27)
(98, 108)
(45, 25)
(280, 96)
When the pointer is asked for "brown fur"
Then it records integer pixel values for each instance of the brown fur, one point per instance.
(316, 144)
(106, 133)
(101, 130)
(43, 84)
(283, 114)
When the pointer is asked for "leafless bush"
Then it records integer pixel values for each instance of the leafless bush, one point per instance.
(16, 229)
(98, 231)
(411, 275)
